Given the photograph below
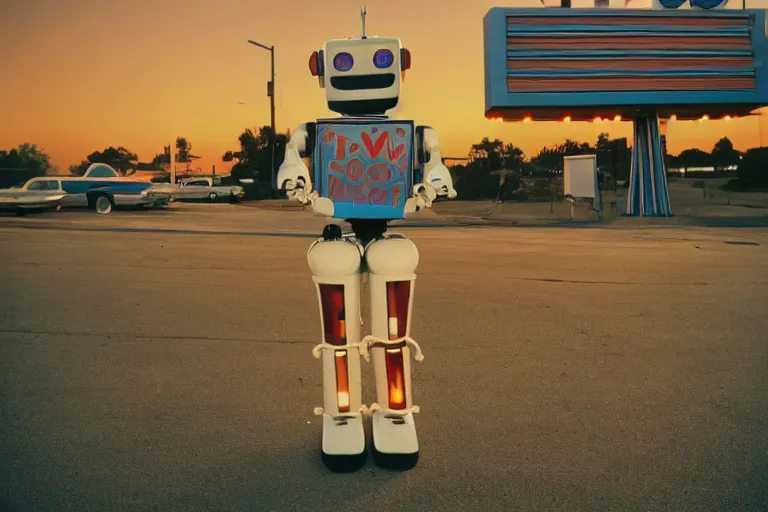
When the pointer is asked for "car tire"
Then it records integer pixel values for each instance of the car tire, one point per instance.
(104, 204)
(213, 196)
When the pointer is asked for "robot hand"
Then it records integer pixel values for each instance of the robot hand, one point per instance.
(439, 184)
(293, 175)
(440, 181)
(423, 195)
(294, 180)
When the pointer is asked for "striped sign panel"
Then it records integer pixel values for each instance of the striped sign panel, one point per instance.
(620, 53)
(550, 61)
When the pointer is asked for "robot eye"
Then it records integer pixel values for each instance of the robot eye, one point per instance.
(382, 59)
(343, 61)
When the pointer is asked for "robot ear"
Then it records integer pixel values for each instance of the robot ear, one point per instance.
(405, 59)
(316, 63)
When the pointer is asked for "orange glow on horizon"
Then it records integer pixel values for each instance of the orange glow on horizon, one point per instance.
(77, 88)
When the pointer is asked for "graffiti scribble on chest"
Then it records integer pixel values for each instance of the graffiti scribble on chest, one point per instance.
(369, 172)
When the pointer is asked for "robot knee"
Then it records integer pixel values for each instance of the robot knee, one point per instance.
(393, 255)
(334, 258)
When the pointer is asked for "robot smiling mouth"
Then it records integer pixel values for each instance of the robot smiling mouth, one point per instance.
(357, 82)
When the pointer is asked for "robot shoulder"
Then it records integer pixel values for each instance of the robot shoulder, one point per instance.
(422, 134)
(310, 130)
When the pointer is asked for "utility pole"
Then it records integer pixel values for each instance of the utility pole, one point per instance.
(273, 177)
(271, 94)
(172, 161)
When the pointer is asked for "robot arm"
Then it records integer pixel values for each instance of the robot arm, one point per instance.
(293, 175)
(437, 178)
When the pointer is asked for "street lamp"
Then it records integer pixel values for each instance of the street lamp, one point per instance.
(271, 94)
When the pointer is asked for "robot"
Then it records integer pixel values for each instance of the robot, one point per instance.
(367, 170)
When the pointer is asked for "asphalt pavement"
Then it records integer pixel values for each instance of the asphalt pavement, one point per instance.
(162, 361)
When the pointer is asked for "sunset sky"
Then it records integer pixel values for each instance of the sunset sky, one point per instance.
(82, 75)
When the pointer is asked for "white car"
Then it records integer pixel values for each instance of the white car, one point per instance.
(212, 189)
(29, 198)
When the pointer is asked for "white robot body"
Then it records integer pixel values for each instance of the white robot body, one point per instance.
(362, 79)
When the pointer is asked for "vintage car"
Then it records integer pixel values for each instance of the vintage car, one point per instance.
(213, 189)
(22, 200)
(102, 189)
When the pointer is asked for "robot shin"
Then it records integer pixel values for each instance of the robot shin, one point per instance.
(339, 301)
(335, 267)
(392, 263)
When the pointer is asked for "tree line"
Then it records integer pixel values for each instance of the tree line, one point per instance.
(478, 178)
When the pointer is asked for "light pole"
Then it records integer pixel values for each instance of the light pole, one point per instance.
(271, 94)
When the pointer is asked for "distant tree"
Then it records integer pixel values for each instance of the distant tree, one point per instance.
(480, 179)
(183, 154)
(694, 158)
(23, 162)
(551, 158)
(254, 158)
(724, 155)
(513, 158)
(753, 169)
(28, 157)
(488, 153)
(613, 156)
(11, 161)
(121, 159)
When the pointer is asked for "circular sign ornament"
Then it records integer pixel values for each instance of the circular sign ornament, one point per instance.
(671, 4)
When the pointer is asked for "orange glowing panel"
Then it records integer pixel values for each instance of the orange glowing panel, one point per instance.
(342, 381)
(334, 327)
(395, 378)
(398, 301)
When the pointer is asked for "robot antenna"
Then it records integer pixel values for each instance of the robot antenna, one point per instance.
(362, 16)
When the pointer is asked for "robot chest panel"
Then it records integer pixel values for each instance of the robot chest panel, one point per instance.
(365, 167)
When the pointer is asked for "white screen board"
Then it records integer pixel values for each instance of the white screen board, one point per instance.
(580, 176)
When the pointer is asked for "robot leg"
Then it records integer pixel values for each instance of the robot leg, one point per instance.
(392, 261)
(335, 262)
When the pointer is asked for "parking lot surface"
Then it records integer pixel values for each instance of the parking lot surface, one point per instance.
(162, 361)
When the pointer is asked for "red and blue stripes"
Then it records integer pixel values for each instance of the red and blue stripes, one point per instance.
(548, 63)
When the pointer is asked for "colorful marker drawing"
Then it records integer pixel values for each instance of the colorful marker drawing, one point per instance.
(365, 168)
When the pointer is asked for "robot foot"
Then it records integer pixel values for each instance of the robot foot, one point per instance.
(343, 448)
(395, 445)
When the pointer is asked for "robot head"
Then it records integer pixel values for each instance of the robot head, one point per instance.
(361, 75)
